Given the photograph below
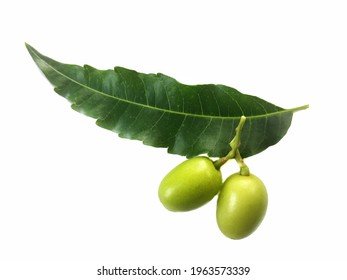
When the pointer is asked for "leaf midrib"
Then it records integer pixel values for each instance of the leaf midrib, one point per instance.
(34, 52)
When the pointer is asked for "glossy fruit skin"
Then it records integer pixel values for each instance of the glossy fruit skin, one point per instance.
(241, 205)
(190, 185)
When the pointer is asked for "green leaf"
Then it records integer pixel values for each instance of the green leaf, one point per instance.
(187, 119)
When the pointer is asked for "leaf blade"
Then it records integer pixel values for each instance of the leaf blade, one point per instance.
(161, 112)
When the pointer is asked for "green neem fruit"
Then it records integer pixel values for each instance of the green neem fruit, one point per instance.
(241, 205)
(190, 184)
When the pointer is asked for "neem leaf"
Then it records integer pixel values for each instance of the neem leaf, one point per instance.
(189, 120)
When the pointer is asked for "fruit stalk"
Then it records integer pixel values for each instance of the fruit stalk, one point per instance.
(244, 170)
(234, 144)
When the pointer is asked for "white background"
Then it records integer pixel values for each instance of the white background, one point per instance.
(74, 197)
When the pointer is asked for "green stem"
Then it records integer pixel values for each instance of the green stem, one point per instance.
(244, 170)
(234, 144)
(304, 107)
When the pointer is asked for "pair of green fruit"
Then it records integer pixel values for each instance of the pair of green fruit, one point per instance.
(242, 199)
